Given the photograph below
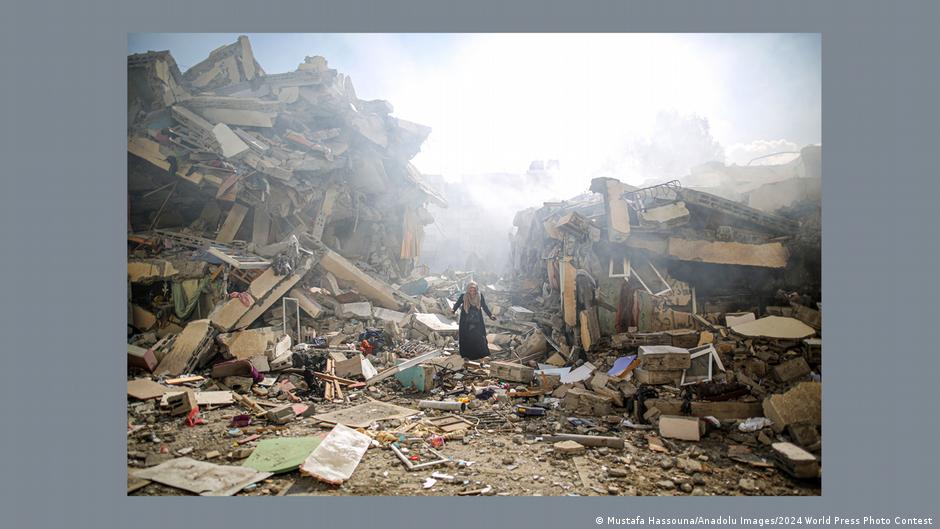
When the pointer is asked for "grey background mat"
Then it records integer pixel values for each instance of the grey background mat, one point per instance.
(63, 222)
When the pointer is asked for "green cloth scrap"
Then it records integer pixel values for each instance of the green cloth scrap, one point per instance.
(281, 455)
(182, 306)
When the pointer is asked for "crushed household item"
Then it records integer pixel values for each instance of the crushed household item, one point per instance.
(199, 477)
(337, 456)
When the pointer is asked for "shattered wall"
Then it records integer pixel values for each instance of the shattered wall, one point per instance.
(664, 257)
(263, 178)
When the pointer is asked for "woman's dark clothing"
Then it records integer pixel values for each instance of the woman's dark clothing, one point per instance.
(471, 336)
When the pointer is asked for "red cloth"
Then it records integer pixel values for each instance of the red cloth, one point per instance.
(192, 419)
(244, 297)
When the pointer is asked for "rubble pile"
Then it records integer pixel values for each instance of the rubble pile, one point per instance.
(283, 339)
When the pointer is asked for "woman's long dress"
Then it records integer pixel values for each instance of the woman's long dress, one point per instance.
(471, 335)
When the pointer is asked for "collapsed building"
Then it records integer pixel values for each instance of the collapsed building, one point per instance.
(690, 302)
(662, 257)
(241, 181)
(274, 228)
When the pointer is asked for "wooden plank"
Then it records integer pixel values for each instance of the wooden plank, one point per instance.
(590, 328)
(232, 223)
(334, 378)
(568, 290)
(261, 226)
(183, 380)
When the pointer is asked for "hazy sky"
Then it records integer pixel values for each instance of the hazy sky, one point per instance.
(497, 101)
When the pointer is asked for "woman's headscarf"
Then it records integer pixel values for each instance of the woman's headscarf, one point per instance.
(471, 300)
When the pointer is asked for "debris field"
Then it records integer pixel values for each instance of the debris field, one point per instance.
(284, 339)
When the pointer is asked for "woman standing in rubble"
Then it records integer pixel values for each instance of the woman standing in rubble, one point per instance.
(471, 335)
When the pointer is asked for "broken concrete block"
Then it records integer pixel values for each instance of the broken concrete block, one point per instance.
(791, 370)
(181, 403)
(357, 366)
(599, 380)
(590, 328)
(141, 358)
(154, 81)
(232, 146)
(517, 313)
(656, 378)
(723, 411)
(804, 434)
(679, 427)
(188, 348)
(393, 316)
(584, 402)
(534, 345)
(738, 318)
(307, 303)
(233, 222)
(574, 223)
(812, 350)
(337, 356)
(226, 65)
(429, 322)
(500, 339)
(652, 415)
(226, 316)
(664, 217)
(568, 448)
(556, 360)
(142, 319)
(281, 415)
(238, 384)
(145, 270)
(682, 338)
(361, 310)
(614, 395)
(379, 292)
(803, 403)
(512, 372)
(246, 344)
(795, 461)
(663, 358)
(615, 207)
(548, 382)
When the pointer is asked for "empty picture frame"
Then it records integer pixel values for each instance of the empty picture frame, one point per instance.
(650, 278)
(705, 363)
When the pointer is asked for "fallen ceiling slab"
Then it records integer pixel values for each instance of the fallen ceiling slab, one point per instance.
(776, 327)
(768, 255)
